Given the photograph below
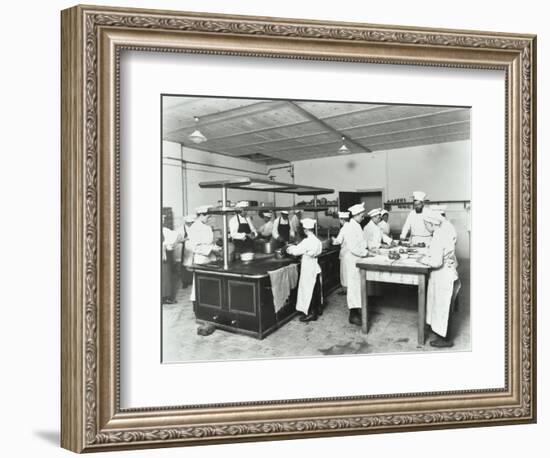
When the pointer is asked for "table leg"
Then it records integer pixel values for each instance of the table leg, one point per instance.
(421, 308)
(364, 301)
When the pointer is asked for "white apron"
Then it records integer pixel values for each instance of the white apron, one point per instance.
(353, 276)
(443, 284)
(309, 249)
(343, 272)
(201, 242)
(341, 240)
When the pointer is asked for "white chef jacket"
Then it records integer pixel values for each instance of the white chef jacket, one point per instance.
(356, 249)
(170, 238)
(201, 241)
(234, 223)
(384, 226)
(267, 229)
(275, 232)
(415, 224)
(342, 240)
(374, 235)
(443, 284)
(309, 248)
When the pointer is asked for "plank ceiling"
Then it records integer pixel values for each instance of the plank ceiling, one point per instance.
(278, 131)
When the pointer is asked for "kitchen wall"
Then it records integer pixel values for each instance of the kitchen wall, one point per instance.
(441, 170)
(181, 189)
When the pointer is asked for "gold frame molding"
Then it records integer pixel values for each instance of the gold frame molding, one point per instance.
(92, 39)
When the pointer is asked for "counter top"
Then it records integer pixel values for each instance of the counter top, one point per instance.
(257, 268)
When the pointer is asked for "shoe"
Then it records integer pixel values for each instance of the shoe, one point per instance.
(440, 342)
(355, 317)
(309, 317)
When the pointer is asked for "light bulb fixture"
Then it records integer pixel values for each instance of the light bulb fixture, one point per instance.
(343, 149)
(196, 136)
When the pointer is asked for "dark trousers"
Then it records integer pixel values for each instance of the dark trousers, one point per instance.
(315, 305)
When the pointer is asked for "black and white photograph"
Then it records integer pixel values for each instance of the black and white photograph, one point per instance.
(311, 228)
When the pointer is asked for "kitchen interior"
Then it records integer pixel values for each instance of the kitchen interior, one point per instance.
(314, 158)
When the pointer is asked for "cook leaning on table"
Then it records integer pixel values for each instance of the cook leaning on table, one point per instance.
(443, 283)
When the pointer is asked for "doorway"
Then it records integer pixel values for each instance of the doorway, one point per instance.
(371, 199)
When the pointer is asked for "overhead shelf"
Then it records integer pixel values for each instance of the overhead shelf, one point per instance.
(257, 184)
(308, 208)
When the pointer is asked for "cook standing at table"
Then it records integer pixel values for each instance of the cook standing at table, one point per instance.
(383, 224)
(309, 291)
(282, 230)
(201, 241)
(241, 229)
(356, 249)
(341, 239)
(372, 231)
(443, 283)
(415, 222)
(266, 229)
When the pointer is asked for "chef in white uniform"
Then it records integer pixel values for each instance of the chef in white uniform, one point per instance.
(372, 231)
(415, 222)
(266, 229)
(443, 283)
(442, 210)
(282, 229)
(308, 300)
(383, 224)
(201, 241)
(341, 240)
(241, 229)
(356, 246)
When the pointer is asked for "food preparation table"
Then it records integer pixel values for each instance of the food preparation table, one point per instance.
(404, 271)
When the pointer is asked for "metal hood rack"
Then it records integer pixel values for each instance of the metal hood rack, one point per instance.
(258, 184)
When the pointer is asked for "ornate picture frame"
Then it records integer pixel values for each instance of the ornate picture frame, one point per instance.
(92, 40)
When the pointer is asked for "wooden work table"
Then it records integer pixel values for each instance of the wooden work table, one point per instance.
(404, 271)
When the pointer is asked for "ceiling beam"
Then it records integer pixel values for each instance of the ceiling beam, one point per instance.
(328, 127)
(232, 113)
(295, 124)
(405, 118)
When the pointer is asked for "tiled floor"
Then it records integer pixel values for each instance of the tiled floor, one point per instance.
(392, 328)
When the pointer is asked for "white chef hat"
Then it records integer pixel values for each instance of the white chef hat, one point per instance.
(203, 209)
(419, 195)
(375, 212)
(284, 212)
(189, 218)
(308, 223)
(384, 212)
(298, 210)
(343, 215)
(357, 209)
(268, 214)
(432, 216)
(242, 203)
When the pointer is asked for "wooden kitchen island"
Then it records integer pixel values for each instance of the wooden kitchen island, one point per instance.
(239, 298)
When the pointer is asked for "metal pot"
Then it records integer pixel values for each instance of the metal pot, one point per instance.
(265, 246)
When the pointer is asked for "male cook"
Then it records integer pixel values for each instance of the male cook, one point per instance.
(415, 222)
